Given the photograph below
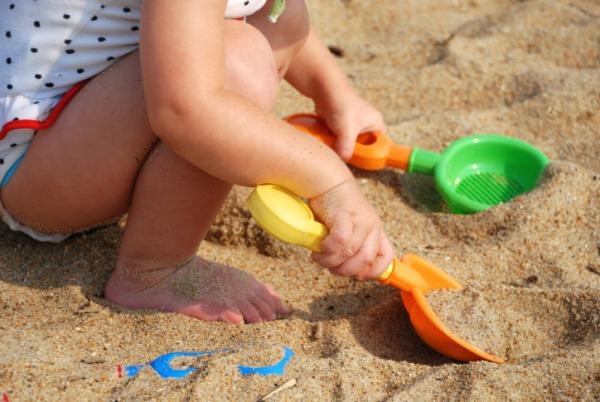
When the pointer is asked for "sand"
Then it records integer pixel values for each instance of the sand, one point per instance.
(515, 324)
(468, 315)
(438, 71)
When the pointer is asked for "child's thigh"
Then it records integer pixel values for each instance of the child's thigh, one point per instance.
(80, 172)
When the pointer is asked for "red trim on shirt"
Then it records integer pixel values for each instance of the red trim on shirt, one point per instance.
(48, 121)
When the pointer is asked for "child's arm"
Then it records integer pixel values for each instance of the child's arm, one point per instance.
(316, 74)
(224, 134)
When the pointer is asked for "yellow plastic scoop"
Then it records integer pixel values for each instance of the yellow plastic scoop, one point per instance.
(287, 217)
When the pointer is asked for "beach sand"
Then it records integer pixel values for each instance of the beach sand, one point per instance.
(438, 70)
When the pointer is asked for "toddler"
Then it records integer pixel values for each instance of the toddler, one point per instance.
(156, 109)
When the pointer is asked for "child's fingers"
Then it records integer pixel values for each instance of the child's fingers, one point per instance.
(377, 125)
(344, 145)
(384, 256)
(363, 258)
(338, 256)
(339, 233)
(348, 130)
(339, 243)
(346, 136)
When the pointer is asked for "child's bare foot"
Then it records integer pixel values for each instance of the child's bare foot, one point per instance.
(198, 288)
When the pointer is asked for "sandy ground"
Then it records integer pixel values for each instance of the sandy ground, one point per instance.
(438, 70)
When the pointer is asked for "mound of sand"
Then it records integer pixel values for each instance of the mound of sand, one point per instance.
(438, 71)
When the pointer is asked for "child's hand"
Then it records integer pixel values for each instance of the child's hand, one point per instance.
(349, 115)
(356, 244)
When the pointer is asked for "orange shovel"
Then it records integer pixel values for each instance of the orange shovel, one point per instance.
(287, 217)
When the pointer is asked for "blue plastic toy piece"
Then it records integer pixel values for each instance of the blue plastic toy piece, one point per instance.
(162, 364)
(131, 371)
(276, 369)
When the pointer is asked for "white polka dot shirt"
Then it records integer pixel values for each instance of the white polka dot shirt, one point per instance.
(46, 46)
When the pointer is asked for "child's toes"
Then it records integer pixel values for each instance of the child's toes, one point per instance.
(232, 316)
(250, 313)
(214, 312)
(279, 306)
(272, 298)
(282, 310)
(266, 311)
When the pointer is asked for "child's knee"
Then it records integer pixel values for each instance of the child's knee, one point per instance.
(251, 70)
(295, 21)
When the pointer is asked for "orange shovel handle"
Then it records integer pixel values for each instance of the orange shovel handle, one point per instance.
(372, 151)
(312, 125)
(399, 156)
(412, 272)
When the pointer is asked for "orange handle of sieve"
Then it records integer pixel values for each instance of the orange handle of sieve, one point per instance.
(372, 151)
(399, 156)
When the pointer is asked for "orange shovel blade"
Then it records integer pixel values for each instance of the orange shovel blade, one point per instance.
(415, 277)
(435, 334)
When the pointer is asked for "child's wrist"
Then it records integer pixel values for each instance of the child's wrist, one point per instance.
(349, 181)
(331, 183)
(331, 101)
(329, 92)
(315, 183)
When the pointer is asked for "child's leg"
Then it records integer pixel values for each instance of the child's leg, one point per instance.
(172, 207)
(89, 168)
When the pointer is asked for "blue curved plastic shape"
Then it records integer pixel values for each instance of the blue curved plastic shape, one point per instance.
(162, 364)
(276, 369)
(131, 371)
